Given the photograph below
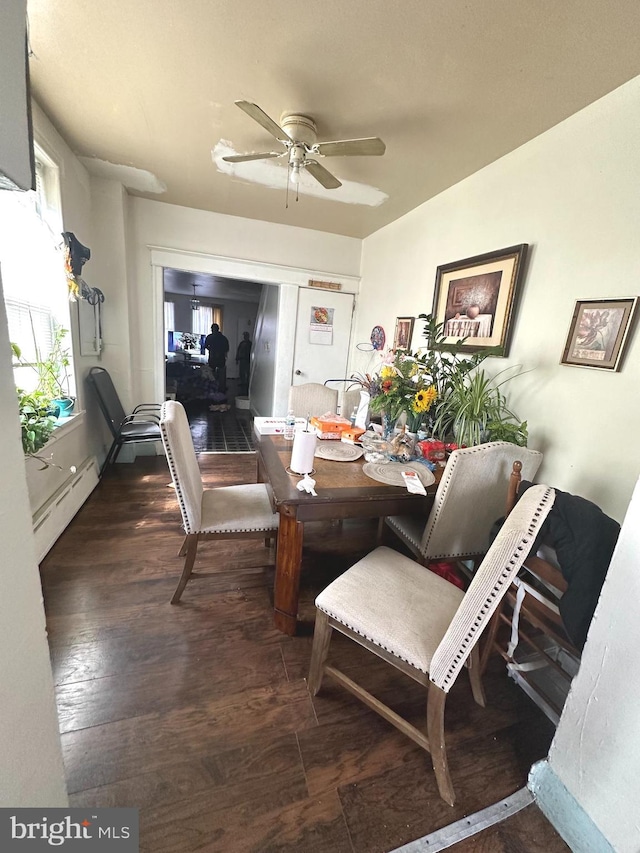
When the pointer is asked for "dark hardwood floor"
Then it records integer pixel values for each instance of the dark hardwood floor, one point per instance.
(199, 714)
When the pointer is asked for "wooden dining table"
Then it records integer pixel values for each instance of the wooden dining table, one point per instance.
(343, 491)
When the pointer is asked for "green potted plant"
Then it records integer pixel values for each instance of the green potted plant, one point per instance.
(52, 370)
(36, 421)
(475, 410)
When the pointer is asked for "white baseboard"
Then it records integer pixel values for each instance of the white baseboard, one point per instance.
(564, 812)
(50, 521)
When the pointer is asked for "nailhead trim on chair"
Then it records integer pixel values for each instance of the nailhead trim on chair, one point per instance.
(185, 517)
(444, 485)
(445, 679)
(370, 639)
(176, 485)
(403, 533)
(463, 451)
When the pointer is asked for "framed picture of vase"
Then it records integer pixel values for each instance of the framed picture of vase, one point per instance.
(598, 332)
(403, 334)
(475, 298)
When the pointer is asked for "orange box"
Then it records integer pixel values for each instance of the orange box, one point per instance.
(350, 436)
(330, 426)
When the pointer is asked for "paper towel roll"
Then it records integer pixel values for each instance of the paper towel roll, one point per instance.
(304, 446)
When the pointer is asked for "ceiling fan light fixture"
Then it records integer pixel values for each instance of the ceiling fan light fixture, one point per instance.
(195, 302)
(298, 134)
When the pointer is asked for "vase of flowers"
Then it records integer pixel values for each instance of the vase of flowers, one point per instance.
(401, 387)
(388, 425)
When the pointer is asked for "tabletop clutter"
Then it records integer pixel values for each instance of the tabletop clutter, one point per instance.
(401, 447)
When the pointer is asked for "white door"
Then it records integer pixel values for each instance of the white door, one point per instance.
(323, 335)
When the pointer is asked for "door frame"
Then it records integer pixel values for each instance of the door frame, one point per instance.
(288, 278)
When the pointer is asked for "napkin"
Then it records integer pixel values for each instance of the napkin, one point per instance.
(307, 484)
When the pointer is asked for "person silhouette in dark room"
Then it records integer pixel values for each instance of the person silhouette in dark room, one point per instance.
(218, 347)
(243, 360)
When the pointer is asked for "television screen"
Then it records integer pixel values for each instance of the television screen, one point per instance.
(185, 342)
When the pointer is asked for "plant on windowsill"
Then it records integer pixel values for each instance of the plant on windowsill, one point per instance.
(39, 409)
(52, 371)
(36, 421)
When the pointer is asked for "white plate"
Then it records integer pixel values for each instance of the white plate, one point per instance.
(338, 451)
(391, 473)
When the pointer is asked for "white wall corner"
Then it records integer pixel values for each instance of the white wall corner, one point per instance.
(564, 812)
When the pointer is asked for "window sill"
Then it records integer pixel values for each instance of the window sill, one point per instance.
(66, 425)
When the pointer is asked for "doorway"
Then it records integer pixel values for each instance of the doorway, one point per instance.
(192, 303)
(285, 283)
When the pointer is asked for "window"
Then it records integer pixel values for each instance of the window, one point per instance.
(169, 316)
(32, 263)
(202, 319)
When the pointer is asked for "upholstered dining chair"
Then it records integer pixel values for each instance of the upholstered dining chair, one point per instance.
(312, 398)
(471, 495)
(226, 512)
(141, 426)
(421, 624)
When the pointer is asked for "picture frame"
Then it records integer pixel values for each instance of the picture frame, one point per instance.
(475, 298)
(403, 334)
(598, 332)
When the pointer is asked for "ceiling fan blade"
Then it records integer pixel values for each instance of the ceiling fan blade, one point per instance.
(328, 181)
(243, 158)
(254, 111)
(345, 147)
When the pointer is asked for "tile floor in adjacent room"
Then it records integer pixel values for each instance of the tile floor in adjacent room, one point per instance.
(220, 428)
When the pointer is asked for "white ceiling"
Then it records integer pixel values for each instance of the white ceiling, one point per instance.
(145, 90)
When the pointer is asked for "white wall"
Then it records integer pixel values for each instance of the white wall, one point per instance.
(596, 749)
(265, 345)
(31, 771)
(75, 198)
(275, 248)
(15, 160)
(572, 194)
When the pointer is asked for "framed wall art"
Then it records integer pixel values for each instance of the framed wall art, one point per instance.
(598, 332)
(378, 337)
(475, 298)
(403, 334)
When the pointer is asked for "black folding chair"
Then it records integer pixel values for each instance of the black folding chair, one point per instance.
(142, 425)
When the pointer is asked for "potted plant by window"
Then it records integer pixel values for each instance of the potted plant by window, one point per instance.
(52, 370)
(36, 420)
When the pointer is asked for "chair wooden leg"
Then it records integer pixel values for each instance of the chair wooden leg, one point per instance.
(475, 677)
(435, 733)
(321, 639)
(183, 547)
(192, 547)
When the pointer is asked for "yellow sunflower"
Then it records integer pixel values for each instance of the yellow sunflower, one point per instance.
(387, 371)
(423, 400)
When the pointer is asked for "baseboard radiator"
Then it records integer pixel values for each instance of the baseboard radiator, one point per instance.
(51, 519)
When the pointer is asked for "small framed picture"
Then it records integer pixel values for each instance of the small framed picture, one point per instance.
(403, 334)
(598, 332)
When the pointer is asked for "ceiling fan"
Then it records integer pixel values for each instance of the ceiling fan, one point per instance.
(298, 135)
